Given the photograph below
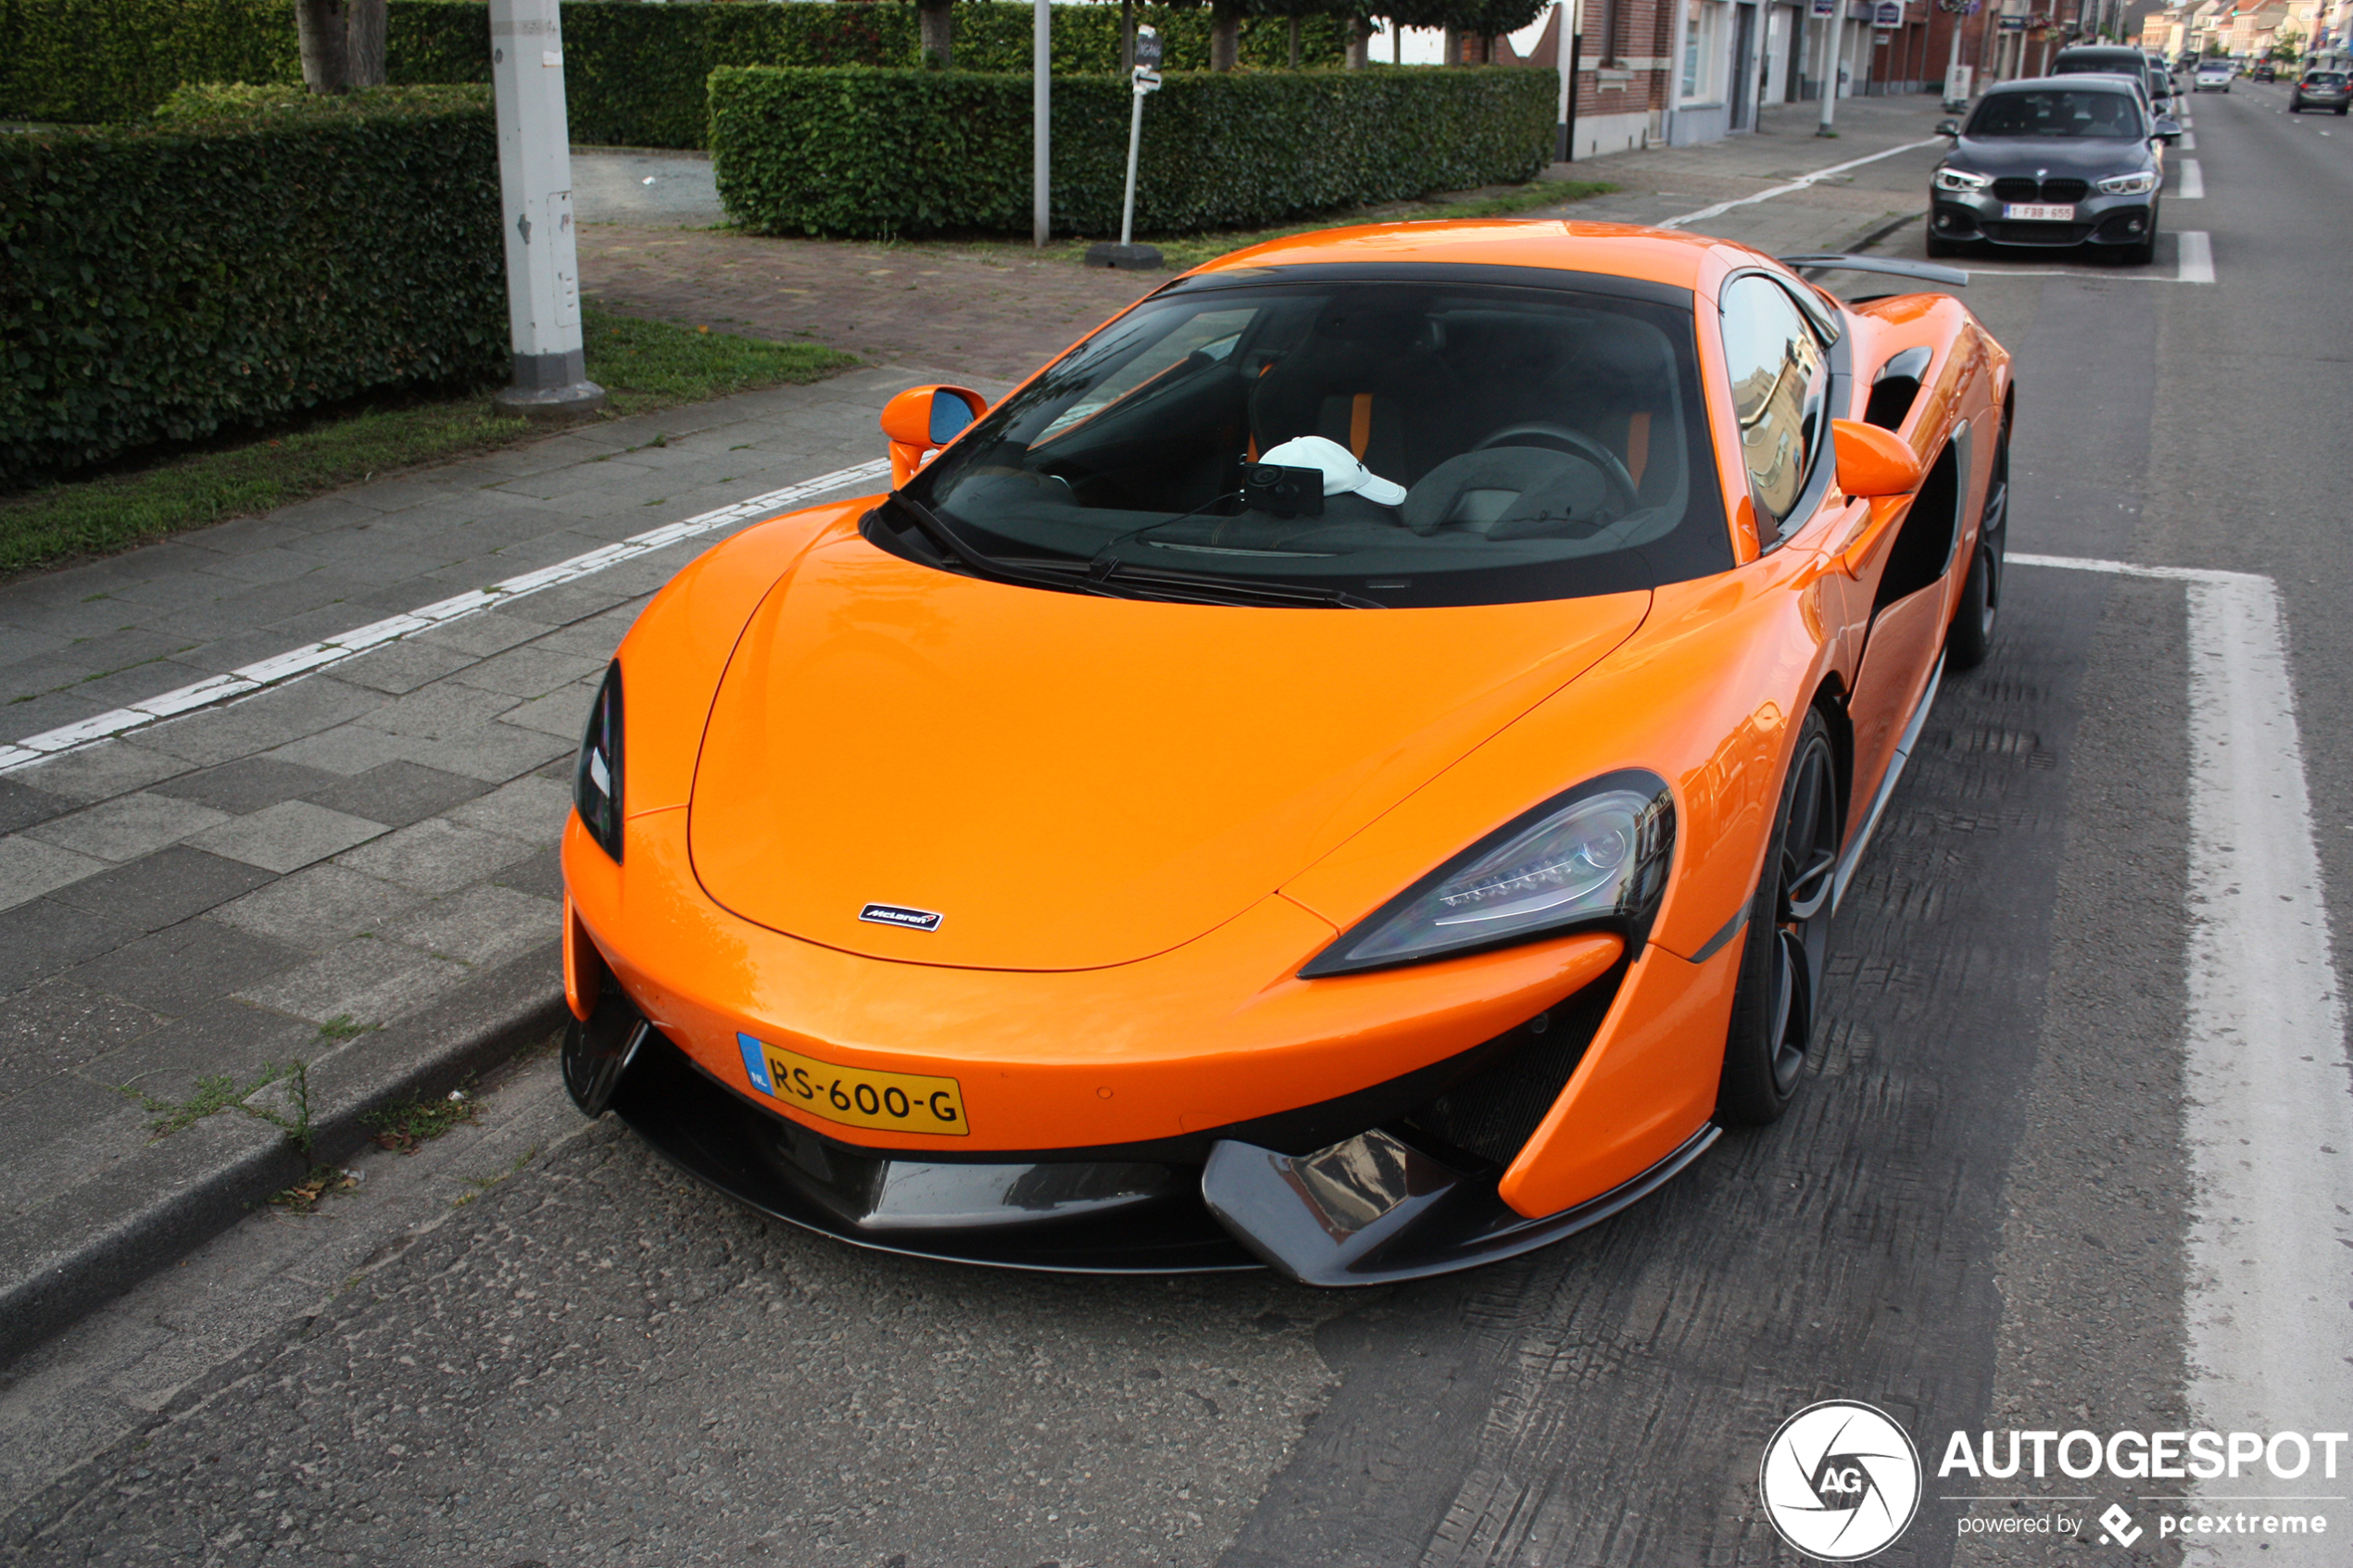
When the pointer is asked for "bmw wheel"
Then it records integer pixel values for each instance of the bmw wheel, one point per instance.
(1786, 948)
(1971, 637)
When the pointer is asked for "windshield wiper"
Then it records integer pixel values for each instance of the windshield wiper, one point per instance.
(1185, 587)
(978, 563)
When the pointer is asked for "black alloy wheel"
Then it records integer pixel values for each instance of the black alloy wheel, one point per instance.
(1786, 948)
(1971, 637)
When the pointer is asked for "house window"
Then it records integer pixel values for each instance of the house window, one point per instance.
(1703, 33)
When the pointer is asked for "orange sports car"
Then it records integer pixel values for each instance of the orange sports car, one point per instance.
(1350, 767)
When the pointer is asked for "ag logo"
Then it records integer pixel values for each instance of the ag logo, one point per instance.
(1839, 1481)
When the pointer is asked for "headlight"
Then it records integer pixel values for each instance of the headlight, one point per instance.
(1961, 180)
(595, 781)
(2127, 185)
(1595, 857)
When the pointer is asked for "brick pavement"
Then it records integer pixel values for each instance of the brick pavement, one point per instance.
(373, 844)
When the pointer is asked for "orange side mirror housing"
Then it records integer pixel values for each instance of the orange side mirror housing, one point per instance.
(1874, 462)
(922, 419)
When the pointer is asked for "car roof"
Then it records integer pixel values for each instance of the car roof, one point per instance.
(1623, 250)
(2111, 80)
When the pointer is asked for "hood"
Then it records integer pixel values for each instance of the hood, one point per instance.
(1070, 781)
(2082, 157)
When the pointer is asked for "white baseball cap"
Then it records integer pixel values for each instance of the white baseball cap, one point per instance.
(1342, 473)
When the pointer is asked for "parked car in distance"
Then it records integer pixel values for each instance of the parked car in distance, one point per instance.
(2213, 76)
(2264, 72)
(2111, 59)
(2053, 162)
(2321, 90)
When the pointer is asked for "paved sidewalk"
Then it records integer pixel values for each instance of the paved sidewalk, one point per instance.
(356, 869)
(997, 309)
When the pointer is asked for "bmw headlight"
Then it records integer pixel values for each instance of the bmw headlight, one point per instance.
(1595, 857)
(2128, 184)
(595, 781)
(1960, 179)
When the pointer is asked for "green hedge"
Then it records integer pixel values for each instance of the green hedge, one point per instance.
(878, 153)
(166, 284)
(635, 73)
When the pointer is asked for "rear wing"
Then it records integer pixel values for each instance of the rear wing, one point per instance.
(1895, 266)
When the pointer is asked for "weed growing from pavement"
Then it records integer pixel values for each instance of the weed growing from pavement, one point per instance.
(303, 1197)
(341, 1028)
(408, 1126)
(220, 1091)
(642, 366)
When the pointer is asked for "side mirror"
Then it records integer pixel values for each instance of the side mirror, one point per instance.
(1874, 462)
(924, 419)
(1948, 127)
(2169, 129)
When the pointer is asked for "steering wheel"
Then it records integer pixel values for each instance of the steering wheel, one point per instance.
(1577, 443)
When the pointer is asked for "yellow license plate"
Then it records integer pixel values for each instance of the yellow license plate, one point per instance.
(896, 1102)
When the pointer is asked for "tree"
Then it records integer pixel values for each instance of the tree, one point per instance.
(934, 32)
(1485, 20)
(342, 43)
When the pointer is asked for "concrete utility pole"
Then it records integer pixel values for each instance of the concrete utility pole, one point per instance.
(535, 180)
(1042, 56)
(1833, 35)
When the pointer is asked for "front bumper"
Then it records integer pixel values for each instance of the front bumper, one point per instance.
(2099, 221)
(1388, 1204)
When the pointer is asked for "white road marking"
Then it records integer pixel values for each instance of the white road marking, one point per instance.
(2269, 1121)
(2189, 143)
(1797, 185)
(2197, 256)
(296, 663)
(2192, 180)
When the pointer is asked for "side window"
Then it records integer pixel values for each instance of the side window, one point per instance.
(1780, 377)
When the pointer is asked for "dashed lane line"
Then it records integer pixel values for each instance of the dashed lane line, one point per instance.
(2193, 182)
(296, 663)
(2269, 1294)
(1801, 183)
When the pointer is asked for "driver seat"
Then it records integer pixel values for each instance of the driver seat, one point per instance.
(1376, 385)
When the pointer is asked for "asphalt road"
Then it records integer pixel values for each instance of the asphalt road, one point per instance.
(1986, 1213)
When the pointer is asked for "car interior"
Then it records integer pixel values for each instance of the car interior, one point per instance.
(1523, 423)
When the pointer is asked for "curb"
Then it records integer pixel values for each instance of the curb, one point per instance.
(106, 1234)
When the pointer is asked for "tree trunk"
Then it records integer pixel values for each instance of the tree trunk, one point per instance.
(1294, 43)
(936, 32)
(364, 42)
(1452, 46)
(1396, 41)
(322, 30)
(1225, 36)
(1360, 40)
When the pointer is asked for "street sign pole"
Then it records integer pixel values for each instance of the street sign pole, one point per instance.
(1041, 67)
(534, 181)
(1145, 78)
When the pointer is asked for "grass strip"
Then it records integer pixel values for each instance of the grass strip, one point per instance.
(642, 366)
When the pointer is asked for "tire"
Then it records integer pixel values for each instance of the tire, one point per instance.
(2342, 107)
(1971, 637)
(1786, 949)
(1942, 248)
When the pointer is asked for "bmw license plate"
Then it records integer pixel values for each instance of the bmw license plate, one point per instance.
(2040, 212)
(901, 1102)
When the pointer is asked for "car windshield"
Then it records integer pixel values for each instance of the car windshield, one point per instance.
(1403, 443)
(2073, 112)
(2325, 79)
